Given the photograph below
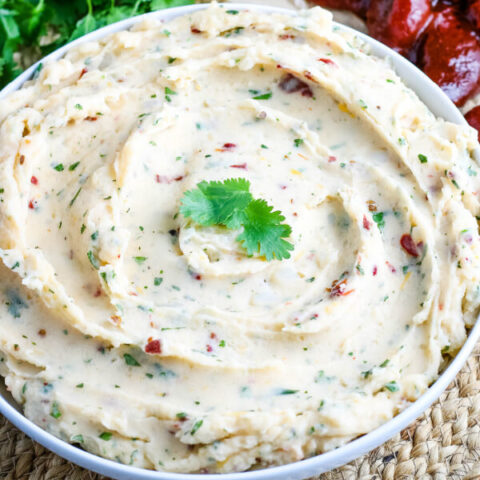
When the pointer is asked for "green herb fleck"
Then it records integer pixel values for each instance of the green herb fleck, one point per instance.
(106, 436)
(129, 360)
(196, 426)
(93, 260)
(286, 391)
(392, 386)
(55, 412)
(378, 219)
(422, 158)
(261, 96)
(72, 201)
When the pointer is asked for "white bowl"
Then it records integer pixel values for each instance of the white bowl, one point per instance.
(441, 106)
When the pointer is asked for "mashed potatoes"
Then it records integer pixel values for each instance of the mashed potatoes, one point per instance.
(146, 338)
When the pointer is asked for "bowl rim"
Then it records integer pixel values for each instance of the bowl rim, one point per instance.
(441, 106)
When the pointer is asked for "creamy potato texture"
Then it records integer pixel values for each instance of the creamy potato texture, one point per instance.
(146, 338)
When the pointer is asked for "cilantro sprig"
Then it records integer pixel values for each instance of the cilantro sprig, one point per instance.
(230, 203)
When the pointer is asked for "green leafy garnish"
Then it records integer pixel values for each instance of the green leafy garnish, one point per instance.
(230, 203)
(41, 26)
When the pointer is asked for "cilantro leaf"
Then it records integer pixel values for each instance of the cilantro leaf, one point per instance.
(217, 203)
(264, 231)
(230, 203)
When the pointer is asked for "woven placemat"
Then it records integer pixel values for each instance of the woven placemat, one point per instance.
(442, 444)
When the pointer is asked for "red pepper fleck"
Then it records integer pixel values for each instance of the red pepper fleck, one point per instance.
(308, 75)
(32, 204)
(22, 159)
(153, 346)
(195, 29)
(213, 335)
(229, 146)
(116, 319)
(332, 158)
(440, 306)
(283, 187)
(407, 243)
(197, 276)
(162, 179)
(83, 72)
(34, 180)
(240, 165)
(327, 61)
(286, 36)
(209, 348)
(366, 223)
(279, 66)
(390, 266)
(91, 119)
(177, 179)
(375, 270)
(338, 288)
(42, 332)
(98, 292)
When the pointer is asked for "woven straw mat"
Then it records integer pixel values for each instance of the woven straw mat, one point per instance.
(444, 443)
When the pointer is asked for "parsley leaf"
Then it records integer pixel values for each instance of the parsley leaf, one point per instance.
(231, 204)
